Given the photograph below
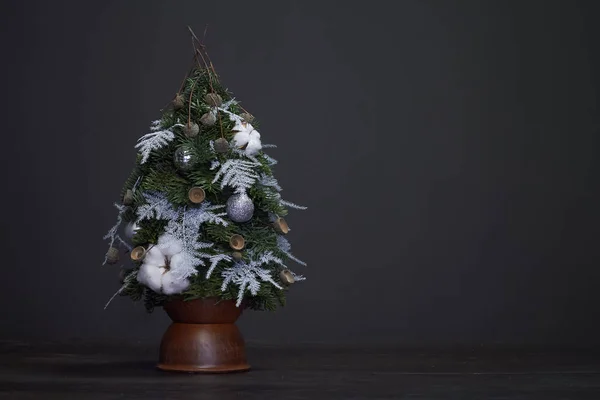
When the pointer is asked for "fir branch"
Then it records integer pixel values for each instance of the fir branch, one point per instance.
(163, 178)
(218, 232)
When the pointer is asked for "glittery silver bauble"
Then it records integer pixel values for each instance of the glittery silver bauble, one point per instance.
(131, 229)
(191, 129)
(184, 158)
(240, 207)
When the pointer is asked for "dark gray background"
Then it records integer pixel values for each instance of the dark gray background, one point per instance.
(446, 151)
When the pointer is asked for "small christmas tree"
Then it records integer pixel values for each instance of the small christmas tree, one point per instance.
(201, 213)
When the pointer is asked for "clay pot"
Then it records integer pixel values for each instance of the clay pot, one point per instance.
(203, 337)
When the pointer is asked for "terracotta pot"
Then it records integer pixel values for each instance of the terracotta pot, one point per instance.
(203, 337)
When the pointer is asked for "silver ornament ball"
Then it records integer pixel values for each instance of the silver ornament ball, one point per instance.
(184, 159)
(240, 207)
(131, 229)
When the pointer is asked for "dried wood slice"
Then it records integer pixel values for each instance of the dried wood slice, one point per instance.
(237, 242)
(196, 195)
(138, 253)
(281, 226)
(286, 277)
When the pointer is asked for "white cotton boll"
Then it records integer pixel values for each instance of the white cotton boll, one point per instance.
(176, 263)
(254, 144)
(169, 245)
(151, 276)
(154, 257)
(244, 132)
(241, 139)
(171, 284)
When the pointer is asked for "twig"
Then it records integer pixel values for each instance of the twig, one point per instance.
(190, 103)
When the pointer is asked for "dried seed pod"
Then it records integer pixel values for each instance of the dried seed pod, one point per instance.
(237, 256)
(213, 99)
(281, 226)
(247, 117)
(237, 242)
(208, 119)
(112, 255)
(196, 195)
(178, 102)
(191, 129)
(286, 277)
(138, 253)
(221, 145)
(128, 197)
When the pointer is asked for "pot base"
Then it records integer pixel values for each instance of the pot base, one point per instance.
(203, 348)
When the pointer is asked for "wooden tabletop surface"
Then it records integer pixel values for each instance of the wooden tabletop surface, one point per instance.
(92, 371)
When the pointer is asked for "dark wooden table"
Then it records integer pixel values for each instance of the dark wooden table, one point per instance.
(89, 372)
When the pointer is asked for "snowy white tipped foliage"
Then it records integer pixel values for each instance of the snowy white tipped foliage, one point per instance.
(289, 204)
(156, 139)
(237, 174)
(250, 275)
(157, 206)
(214, 164)
(112, 234)
(270, 160)
(285, 247)
(272, 183)
(269, 181)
